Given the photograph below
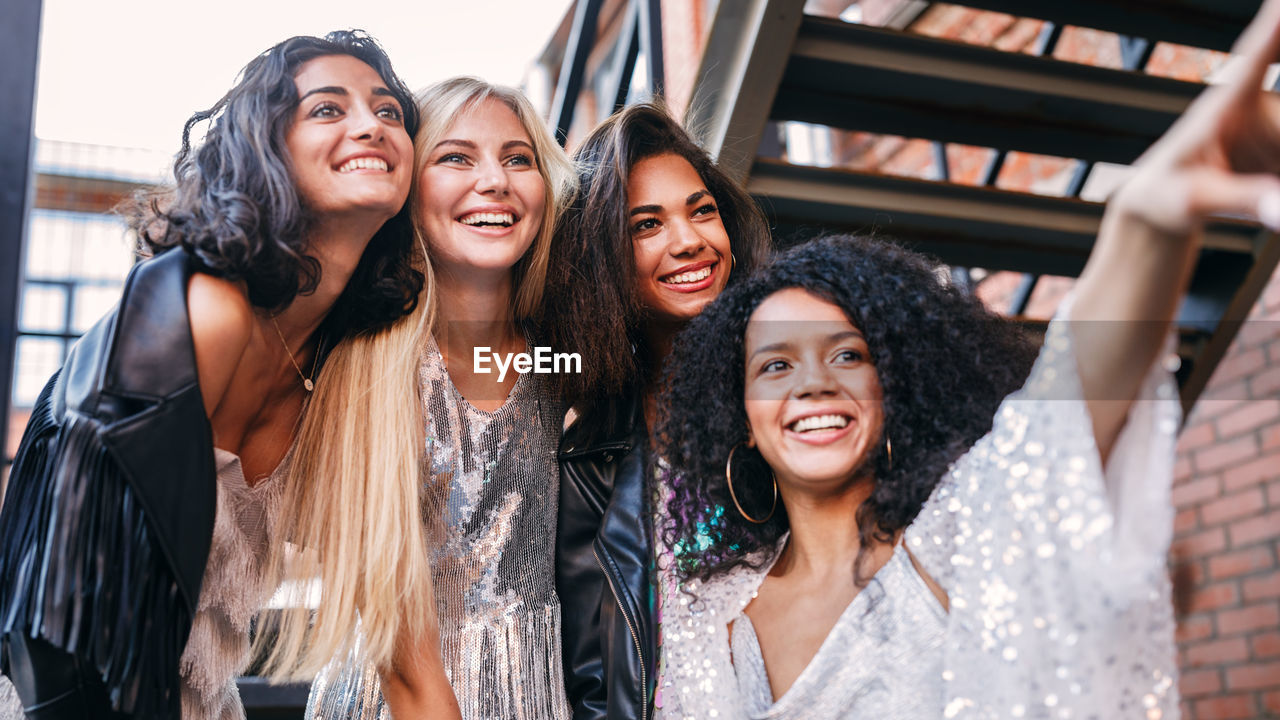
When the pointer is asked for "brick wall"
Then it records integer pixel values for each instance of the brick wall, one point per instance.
(1226, 552)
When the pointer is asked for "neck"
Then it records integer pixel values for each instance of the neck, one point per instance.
(338, 247)
(824, 530)
(475, 310)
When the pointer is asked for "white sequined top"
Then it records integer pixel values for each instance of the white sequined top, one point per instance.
(1055, 572)
(493, 506)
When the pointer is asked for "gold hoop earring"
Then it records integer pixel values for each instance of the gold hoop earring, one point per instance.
(888, 450)
(728, 476)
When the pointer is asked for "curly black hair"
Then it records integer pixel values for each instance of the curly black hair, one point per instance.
(944, 362)
(235, 207)
(591, 282)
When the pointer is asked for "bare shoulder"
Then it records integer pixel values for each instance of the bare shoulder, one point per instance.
(221, 325)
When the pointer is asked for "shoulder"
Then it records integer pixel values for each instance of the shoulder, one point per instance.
(222, 321)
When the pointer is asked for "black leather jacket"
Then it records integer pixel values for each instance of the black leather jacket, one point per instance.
(106, 526)
(604, 553)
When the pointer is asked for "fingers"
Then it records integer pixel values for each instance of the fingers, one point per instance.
(1213, 192)
(1259, 44)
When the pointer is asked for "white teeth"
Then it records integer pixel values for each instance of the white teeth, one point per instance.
(364, 163)
(485, 218)
(820, 422)
(689, 277)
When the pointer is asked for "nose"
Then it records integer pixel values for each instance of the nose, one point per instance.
(814, 379)
(684, 238)
(492, 178)
(364, 123)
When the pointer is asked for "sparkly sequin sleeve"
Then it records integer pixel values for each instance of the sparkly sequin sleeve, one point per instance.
(1055, 570)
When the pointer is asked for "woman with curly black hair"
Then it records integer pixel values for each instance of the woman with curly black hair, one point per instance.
(145, 519)
(844, 547)
(654, 234)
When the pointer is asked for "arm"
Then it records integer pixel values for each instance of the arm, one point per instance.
(221, 325)
(417, 687)
(1220, 157)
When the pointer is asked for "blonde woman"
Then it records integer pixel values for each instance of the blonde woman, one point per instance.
(490, 184)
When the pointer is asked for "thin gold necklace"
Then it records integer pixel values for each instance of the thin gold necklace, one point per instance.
(306, 381)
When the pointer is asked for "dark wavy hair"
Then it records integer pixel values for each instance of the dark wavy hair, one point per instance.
(592, 288)
(235, 207)
(944, 362)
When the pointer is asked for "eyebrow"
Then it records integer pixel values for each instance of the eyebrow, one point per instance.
(832, 338)
(336, 90)
(468, 144)
(643, 209)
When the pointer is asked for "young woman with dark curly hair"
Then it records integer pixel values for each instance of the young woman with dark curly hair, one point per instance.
(145, 519)
(655, 233)
(843, 550)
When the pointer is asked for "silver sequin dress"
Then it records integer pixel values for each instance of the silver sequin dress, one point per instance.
(495, 492)
(1055, 571)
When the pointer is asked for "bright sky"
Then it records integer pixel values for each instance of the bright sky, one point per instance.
(130, 72)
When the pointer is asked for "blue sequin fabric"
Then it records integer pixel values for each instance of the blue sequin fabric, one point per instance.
(1055, 571)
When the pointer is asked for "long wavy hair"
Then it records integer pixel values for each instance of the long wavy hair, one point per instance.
(593, 291)
(350, 510)
(235, 208)
(944, 362)
(443, 103)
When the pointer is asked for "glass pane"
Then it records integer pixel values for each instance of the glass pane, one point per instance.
(44, 308)
(92, 302)
(37, 359)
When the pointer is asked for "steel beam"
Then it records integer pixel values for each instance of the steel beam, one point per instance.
(19, 51)
(582, 38)
(961, 225)
(1213, 24)
(650, 16)
(862, 78)
(746, 51)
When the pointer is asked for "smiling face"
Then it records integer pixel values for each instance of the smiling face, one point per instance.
(481, 197)
(347, 145)
(681, 249)
(813, 399)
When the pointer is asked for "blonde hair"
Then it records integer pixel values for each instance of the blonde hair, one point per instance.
(443, 103)
(352, 502)
(354, 495)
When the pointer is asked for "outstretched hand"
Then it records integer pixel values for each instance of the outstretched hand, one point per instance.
(1220, 158)
(1223, 155)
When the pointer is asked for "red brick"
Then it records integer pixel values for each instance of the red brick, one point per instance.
(1273, 494)
(1194, 436)
(1271, 701)
(1265, 586)
(1226, 400)
(1255, 617)
(1255, 676)
(1238, 365)
(1185, 521)
(1247, 532)
(1200, 682)
(1251, 473)
(1182, 469)
(1265, 383)
(1231, 452)
(1218, 652)
(1271, 438)
(1240, 562)
(1266, 645)
(1200, 544)
(1251, 416)
(1232, 507)
(1227, 707)
(1194, 628)
(1196, 491)
(1215, 596)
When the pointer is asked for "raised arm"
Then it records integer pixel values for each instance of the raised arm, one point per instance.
(1220, 157)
